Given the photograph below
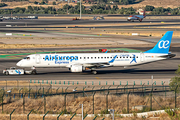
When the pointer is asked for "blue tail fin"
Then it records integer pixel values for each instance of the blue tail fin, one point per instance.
(163, 45)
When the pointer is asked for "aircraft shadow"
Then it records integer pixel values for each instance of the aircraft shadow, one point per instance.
(127, 71)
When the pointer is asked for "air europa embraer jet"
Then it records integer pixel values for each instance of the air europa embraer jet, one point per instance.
(79, 62)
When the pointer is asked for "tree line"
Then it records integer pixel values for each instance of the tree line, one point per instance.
(162, 11)
(3, 4)
(119, 2)
(94, 9)
(13, 0)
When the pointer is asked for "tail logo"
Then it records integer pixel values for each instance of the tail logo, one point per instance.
(163, 44)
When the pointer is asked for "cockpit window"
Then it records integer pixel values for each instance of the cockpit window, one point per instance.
(27, 58)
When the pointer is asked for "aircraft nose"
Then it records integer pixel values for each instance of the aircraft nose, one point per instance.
(19, 63)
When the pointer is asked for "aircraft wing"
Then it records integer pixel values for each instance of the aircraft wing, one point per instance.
(96, 64)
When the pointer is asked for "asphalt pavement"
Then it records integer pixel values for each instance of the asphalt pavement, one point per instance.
(161, 70)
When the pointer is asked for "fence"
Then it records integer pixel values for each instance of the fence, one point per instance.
(55, 83)
(96, 99)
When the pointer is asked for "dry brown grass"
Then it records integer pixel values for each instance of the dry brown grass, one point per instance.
(56, 104)
(156, 3)
(38, 117)
(15, 46)
(143, 33)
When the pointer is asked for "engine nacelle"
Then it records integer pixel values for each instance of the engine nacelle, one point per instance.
(77, 68)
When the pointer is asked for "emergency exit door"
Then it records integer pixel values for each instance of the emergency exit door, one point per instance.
(38, 59)
(142, 57)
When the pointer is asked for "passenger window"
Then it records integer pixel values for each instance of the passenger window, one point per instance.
(104, 57)
(98, 57)
(84, 57)
(101, 57)
(80, 57)
(91, 57)
(87, 57)
(107, 57)
(137, 57)
(94, 57)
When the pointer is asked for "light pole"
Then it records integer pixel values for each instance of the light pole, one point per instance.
(80, 9)
(82, 110)
(111, 111)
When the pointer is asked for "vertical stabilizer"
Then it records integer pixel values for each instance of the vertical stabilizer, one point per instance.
(163, 45)
(144, 13)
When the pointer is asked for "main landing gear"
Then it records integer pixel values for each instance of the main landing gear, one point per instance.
(33, 72)
(94, 72)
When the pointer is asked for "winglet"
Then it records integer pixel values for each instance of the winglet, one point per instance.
(106, 51)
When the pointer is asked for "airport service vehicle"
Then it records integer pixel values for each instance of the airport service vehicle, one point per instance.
(13, 71)
(98, 18)
(136, 17)
(79, 62)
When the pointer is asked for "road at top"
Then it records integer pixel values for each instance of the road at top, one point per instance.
(34, 23)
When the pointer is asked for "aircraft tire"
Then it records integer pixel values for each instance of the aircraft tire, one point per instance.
(6, 73)
(34, 72)
(94, 72)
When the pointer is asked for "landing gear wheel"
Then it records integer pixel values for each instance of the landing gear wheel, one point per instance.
(34, 72)
(6, 73)
(94, 72)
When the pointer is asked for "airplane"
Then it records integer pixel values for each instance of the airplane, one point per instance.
(136, 17)
(79, 62)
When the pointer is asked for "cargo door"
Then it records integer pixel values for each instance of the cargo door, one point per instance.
(142, 57)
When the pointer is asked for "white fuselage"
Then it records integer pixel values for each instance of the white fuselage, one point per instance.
(89, 59)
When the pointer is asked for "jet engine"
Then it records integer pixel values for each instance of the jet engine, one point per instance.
(77, 68)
